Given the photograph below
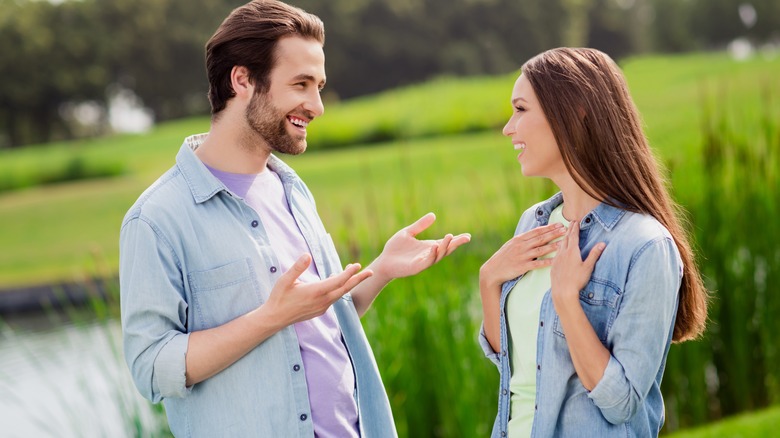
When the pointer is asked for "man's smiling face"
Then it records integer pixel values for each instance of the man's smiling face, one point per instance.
(281, 115)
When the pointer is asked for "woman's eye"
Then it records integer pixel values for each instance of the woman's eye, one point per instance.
(520, 109)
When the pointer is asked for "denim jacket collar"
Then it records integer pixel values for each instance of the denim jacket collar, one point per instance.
(202, 184)
(605, 214)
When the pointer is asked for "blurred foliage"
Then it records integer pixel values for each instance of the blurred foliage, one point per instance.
(58, 54)
(714, 121)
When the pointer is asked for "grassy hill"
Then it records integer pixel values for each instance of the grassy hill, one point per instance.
(56, 232)
(443, 152)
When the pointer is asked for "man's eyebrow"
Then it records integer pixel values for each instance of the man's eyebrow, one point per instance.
(308, 78)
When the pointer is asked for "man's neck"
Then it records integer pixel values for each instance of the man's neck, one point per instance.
(229, 147)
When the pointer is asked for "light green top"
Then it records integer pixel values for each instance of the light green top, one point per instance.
(522, 310)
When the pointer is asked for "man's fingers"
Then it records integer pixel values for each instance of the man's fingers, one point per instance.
(299, 267)
(354, 281)
(337, 280)
(334, 294)
(421, 224)
(441, 250)
(457, 241)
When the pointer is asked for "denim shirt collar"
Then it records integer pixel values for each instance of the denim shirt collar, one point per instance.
(202, 184)
(605, 214)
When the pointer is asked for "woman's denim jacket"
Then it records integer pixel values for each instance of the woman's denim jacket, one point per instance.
(631, 301)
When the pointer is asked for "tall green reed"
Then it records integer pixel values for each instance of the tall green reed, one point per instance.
(424, 329)
(736, 366)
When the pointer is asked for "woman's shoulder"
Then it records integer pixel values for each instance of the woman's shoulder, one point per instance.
(642, 227)
(638, 233)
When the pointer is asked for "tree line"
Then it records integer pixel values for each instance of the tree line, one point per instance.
(57, 55)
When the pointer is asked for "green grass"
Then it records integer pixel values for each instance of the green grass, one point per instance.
(51, 233)
(765, 423)
(473, 183)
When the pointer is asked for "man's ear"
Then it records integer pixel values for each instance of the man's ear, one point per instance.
(240, 81)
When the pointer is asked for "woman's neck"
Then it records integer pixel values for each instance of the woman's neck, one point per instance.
(576, 201)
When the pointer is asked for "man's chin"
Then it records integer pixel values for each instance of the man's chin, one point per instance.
(293, 149)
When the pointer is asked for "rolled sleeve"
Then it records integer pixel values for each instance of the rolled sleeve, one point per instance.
(641, 333)
(487, 348)
(170, 377)
(154, 311)
(612, 395)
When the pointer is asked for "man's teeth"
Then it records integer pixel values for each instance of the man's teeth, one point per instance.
(298, 122)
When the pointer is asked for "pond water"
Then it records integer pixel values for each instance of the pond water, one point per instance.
(62, 379)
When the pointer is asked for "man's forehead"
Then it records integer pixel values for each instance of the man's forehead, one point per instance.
(296, 56)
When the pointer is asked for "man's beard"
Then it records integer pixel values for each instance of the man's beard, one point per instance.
(270, 123)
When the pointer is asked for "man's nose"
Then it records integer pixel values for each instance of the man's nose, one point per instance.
(314, 104)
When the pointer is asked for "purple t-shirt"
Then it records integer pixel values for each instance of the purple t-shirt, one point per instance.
(328, 368)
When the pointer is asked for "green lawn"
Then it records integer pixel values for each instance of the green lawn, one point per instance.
(54, 232)
(765, 423)
(438, 160)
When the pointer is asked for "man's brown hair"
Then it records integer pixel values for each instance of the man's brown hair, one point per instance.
(598, 129)
(248, 38)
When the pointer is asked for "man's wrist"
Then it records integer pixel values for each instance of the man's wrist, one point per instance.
(380, 276)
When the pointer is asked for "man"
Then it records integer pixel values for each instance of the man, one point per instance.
(235, 310)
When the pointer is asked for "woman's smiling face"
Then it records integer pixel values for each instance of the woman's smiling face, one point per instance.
(531, 134)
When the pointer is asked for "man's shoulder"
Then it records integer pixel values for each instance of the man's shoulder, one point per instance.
(169, 193)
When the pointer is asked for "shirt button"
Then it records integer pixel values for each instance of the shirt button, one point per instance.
(503, 391)
(296, 367)
(587, 220)
(304, 417)
(503, 433)
(273, 269)
(503, 352)
(541, 323)
(538, 367)
(590, 295)
(255, 224)
(539, 212)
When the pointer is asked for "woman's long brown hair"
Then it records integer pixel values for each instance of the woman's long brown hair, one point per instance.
(586, 101)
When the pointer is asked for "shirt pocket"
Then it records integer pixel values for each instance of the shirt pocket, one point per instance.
(599, 300)
(223, 293)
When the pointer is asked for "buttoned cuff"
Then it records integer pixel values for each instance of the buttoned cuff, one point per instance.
(170, 368)
(487, 348)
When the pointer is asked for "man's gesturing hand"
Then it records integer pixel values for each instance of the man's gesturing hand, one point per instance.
(404, 255)
(293, 301)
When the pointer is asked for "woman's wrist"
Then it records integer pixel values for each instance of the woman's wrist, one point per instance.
(566, 301)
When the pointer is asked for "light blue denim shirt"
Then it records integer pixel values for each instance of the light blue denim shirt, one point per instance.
(194, 256)
(631, 302)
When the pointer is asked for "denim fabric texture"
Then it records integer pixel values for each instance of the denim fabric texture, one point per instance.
(194, 256)
(631, 302)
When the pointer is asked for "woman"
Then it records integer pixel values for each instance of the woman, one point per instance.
(580, 307)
